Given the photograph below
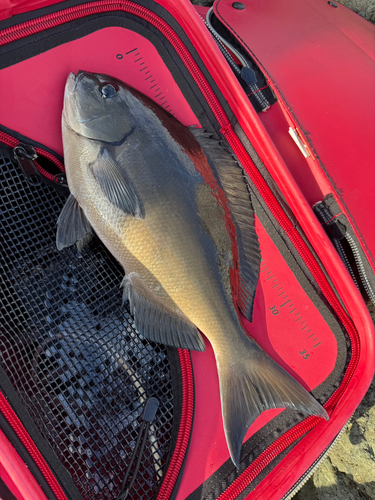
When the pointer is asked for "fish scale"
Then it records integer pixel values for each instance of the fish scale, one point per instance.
(173, 208)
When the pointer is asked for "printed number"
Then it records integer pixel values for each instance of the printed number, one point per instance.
(273, 310)
(304, 354)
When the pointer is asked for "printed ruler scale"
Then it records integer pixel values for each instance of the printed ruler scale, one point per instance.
(287, 324)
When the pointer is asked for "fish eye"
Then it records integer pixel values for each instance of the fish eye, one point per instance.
(108, 90)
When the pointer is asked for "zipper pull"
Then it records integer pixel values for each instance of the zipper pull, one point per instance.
(25, 156)
(61, 180)
(148, 415)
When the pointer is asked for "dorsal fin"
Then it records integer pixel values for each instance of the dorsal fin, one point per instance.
(232, 180)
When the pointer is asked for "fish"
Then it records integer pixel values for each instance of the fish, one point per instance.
(172, 206)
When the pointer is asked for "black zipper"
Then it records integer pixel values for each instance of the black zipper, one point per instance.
(346, 246)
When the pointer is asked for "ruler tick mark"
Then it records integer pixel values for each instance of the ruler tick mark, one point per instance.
(285, 303)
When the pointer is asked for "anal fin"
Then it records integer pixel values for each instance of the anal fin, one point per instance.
(160, 324)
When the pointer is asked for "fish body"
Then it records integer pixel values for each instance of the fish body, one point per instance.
(174, 210)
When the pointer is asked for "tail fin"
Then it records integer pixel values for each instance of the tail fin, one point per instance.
(253, 384)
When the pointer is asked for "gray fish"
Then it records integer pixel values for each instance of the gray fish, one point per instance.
(174, 210)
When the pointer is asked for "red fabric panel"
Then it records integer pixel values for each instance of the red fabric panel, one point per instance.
(322, 61)
(132, 59)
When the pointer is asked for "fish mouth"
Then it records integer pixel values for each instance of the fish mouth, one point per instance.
(71, 84)
(73, 81)
(70, 97)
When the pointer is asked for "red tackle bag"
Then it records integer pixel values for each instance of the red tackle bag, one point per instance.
(278, 83)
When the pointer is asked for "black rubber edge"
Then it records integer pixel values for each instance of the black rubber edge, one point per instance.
(5, 493)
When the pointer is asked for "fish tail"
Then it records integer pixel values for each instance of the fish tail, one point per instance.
(254, 383)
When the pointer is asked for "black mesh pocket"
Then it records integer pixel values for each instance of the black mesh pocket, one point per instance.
(71, 350)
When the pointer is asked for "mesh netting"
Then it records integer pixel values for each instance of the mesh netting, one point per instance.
(70, 349)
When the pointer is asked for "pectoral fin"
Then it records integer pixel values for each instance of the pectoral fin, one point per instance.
(72, 226)
(115, 184)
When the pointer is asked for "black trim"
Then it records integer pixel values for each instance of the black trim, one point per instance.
(5, 493)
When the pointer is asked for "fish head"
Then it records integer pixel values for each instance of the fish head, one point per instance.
(97, 107)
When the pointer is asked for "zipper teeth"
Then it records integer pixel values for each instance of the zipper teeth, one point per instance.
(13, 142)
(50, 157)
(324, 215)
(184, 427)
(360, 266)
(315, 465)
(226, 49)
(51, 20)
(222, 40)
(340, 250)
(29, 444)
